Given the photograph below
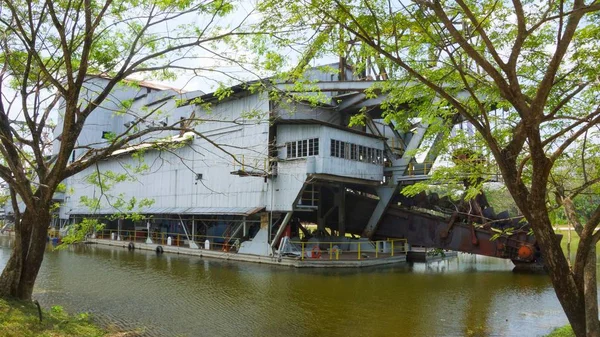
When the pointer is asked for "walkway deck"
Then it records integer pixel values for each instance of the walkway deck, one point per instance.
(323, 262)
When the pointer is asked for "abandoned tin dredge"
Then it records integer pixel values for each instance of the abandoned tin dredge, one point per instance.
(245, 181)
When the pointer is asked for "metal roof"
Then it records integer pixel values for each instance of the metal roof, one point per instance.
(172, 210)
(281, 121)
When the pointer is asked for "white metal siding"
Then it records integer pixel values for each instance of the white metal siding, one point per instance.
(171, 181)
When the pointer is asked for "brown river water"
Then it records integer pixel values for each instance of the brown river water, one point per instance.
(177, 295)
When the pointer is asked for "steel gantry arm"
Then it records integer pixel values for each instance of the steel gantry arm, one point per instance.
(386, 193)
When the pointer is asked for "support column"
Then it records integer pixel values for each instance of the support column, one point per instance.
(342, 211)
(265, 225)
(193, 228)
(148, 238)
(320, 217)
(119, 226)
(264, 220)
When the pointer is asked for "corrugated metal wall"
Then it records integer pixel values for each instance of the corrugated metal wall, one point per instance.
(171, 180)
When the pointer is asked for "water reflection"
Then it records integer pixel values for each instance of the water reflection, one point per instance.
(189, 296)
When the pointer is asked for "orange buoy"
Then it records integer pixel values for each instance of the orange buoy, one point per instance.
(525, 253)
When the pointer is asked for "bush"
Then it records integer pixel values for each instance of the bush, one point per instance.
(563, 331)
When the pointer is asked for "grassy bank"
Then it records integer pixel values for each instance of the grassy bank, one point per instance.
(564, 331)
(21, 319)
(574, 242)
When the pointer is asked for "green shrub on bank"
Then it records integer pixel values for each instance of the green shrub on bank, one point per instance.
(20, 319)
(563, 331)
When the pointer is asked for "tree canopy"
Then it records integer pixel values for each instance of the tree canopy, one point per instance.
(524, 74)
(51, 52)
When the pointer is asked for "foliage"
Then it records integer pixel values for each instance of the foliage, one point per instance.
(79, 232)
(4, 199)
(500, 199)
(436, 252)
(123, 207)
(523, 74)
(20, 319)
(564, 331)
(67, 58)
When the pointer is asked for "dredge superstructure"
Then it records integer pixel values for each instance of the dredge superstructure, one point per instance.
(255, 170)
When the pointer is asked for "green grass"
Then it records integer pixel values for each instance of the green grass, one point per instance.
(574, 239)
(20, 319)
(563, 331)
(574, 243)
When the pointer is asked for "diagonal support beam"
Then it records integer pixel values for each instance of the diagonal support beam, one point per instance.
(350, 101)
(386, 194)
(281, 229)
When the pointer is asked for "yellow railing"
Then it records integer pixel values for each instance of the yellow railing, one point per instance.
(177, 239)
(252, 163)
(358, 249)
(415, 169)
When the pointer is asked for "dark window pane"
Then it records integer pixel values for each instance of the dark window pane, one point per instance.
(300, 148)
(304, 148)
(332, 148)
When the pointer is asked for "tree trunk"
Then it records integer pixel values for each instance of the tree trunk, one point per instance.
(570, 296)
(18, 278)
(591, 294)
(588, 280)
(569, 243)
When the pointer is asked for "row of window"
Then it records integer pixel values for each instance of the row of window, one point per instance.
(360, 153)
(310, 147)
(303, 148)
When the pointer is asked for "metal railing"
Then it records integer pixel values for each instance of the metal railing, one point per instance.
(358, 249)
(223, 243)
(355, 250)
(415, 169)
(252, 163)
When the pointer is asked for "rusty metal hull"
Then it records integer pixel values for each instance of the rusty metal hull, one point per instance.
(427, 230)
